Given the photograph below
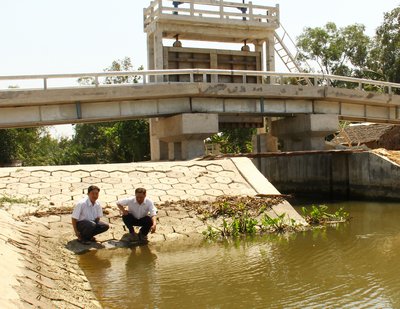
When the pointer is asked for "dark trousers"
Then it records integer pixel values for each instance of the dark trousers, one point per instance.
(88, 229)
(145, 223)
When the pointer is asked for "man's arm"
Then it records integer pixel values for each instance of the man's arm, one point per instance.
(153, 227)
(74, 221)
(122, 209)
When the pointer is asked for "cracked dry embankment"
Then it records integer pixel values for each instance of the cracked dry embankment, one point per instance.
(39, 262)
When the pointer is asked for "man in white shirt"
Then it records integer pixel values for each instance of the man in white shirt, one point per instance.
(86, 217)
(140, 212)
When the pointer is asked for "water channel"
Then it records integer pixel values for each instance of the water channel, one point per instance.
(353, 265)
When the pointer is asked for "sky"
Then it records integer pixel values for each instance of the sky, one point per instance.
(75, 36)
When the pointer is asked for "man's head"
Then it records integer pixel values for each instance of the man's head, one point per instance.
(140, 194)
(93, 193)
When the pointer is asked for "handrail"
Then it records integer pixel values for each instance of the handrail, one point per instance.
(213, 9)
(319, 79)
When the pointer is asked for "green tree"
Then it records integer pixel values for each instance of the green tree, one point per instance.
(234, 140)
(121, 141)
(110, 142)
(33, 146)
(337, 51)
(8, 146)
(385, 55)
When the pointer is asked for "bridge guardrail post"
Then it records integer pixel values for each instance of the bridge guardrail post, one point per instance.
(96, 81)
(45, 83)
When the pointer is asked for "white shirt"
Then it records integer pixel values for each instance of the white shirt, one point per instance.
(85, 210)
(139, 211)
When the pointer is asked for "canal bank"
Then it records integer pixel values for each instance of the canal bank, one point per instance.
(368, 175)
(38, 249)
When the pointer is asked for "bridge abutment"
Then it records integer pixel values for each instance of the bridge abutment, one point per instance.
(181, 137)
(304, 132)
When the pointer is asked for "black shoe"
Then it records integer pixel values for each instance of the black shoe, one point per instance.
(84, 241)
(142, 238)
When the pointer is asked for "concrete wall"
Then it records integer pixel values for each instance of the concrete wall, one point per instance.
(333, 175)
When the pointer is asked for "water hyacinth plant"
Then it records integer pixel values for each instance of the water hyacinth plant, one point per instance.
(317, 214)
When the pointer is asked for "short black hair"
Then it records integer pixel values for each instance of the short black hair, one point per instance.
(91, 188)
(140, 190)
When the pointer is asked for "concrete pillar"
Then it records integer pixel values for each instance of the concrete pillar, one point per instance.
(305, 132)
(150, 52)
(193, 149)
(214, 65)
(270, 52)
(182, 136)
(154, 140)
(264, 142)
(150, 56)
(158, 53)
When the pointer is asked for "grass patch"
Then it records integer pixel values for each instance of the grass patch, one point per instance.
(13, 200)
(7, 199)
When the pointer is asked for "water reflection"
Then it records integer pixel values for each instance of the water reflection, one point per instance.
(356, 265)
(141, 277)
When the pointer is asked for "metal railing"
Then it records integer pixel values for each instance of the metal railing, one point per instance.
(212, 9)
(99, 79)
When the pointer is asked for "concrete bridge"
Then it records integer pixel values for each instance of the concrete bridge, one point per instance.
(60, 99)
(50, 103)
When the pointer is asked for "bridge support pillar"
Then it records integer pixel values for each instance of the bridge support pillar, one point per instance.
(264, 142)
(305, 132)
(181, 137)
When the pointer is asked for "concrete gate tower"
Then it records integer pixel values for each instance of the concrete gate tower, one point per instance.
(171, 26)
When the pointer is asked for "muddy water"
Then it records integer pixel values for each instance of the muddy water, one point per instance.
(356, 265)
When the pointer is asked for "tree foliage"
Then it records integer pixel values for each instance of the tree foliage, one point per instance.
(110, 142)
(234, 140)
(385, 54)
(337, 51)
(32, 146)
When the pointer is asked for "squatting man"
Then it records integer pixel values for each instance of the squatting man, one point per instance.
(86, 217)
(140, 212)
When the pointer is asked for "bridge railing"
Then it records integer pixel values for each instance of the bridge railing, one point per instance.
(212, 9)
(124, 78)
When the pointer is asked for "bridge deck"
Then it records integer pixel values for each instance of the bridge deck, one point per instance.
(274, 96)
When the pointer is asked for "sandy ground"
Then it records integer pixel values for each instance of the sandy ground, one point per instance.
(390, 154)
(37, 269)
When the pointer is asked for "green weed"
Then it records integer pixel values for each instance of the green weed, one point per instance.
(319, 215)
(15, 200)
